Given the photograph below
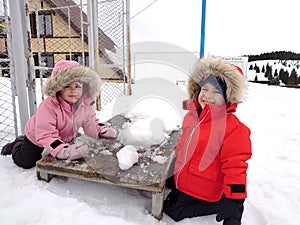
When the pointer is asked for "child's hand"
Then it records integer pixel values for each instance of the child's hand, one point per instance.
(74, 151)
(230, 211)
(108, 133)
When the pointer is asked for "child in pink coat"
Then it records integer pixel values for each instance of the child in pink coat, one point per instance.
(71, 91)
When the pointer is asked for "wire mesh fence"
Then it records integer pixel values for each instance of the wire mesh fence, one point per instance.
(8, 115)
(113, 18)
(60, 30)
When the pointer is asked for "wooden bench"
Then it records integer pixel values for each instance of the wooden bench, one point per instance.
(102, 166)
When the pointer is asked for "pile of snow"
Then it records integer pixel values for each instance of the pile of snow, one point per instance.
(145, 129)
(153, 112)
(142, 132)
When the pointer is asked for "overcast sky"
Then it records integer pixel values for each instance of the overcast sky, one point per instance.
(233, 27)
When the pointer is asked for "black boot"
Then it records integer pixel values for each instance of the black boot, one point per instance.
(8, 148)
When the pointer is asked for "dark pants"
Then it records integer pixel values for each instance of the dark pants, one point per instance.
(27, 154)
(179, 205)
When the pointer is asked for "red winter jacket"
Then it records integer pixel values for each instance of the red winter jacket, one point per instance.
(211, 154)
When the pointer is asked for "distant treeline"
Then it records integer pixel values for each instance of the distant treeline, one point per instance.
(278, 55)
(277, 77)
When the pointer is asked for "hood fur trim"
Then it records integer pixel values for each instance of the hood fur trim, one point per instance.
(234, 80)
(67, 76)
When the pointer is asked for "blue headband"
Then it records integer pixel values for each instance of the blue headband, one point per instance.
(217, 82)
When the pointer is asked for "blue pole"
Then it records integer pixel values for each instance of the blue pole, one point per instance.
(202, 28)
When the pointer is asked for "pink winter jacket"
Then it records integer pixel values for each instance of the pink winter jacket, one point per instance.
(54, 124)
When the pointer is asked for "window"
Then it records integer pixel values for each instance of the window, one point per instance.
(47, 60)
(44, 23)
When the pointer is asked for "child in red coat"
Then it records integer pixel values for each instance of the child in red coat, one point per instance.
(211, 153)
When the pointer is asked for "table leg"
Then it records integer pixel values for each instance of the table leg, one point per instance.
(44, 176)
(157, 204)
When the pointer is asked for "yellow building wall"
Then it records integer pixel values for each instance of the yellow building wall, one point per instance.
(3, 45)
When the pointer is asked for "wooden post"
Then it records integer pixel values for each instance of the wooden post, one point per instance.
(98, 102)
(157, 204)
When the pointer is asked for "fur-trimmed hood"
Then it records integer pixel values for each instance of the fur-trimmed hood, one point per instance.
(76, 73)
(235, 81)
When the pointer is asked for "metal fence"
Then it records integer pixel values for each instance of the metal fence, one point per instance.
(8, 114)
(94, 33)
(114, 19)
(59, 30)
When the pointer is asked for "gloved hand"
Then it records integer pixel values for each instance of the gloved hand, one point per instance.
(108, 133)
(231, 211)
(73, 151)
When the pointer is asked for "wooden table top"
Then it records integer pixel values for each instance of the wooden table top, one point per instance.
(151, 169)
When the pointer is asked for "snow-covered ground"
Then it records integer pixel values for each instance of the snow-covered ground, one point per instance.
(272, 114)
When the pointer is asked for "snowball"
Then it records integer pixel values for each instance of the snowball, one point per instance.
(127, 156)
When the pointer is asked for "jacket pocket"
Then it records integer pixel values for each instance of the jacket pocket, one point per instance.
(210, 173)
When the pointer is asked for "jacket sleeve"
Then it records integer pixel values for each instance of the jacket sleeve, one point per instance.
(91, 125)
(236, 150)
(46, 132)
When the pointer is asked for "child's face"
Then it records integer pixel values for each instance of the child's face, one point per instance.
(210, 95)
(72, 92)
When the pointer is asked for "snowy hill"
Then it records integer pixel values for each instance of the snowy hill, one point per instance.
(273, 177)
(286, 65)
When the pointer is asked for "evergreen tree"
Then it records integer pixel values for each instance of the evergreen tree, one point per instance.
(275, 73)
(268, 73)
(284, 76)
(281, 75)
(293, 79)
(256, 68)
